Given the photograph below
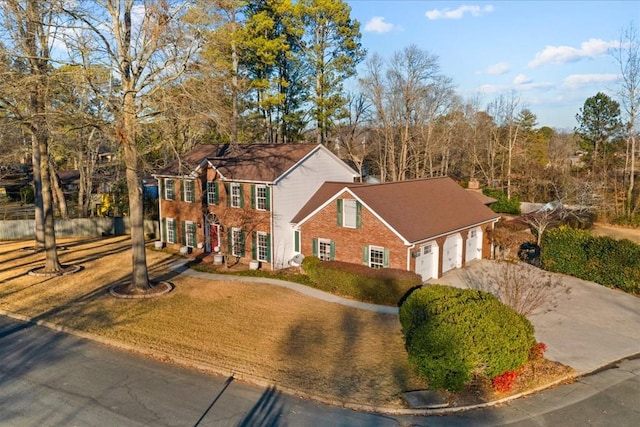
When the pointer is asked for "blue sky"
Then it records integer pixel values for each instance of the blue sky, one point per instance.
(553, 54)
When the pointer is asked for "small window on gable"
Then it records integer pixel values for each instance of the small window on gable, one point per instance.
(349, 213)
(169, 189)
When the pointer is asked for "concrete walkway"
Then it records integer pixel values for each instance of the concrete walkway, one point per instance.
(179, 267)
(587, 328)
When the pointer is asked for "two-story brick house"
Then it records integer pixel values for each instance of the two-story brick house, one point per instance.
(239, 200)
(429, 226)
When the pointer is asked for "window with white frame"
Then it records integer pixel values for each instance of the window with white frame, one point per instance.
(472, 234)
(171, 230)
(325, 249)
(169, 189)
(261, 197)
(350, 212)
(190, 234)
(426, 250)
(376, 257)
(237, 242)
(189, 191)
(236, 195)
(212, 193)
(262, 246)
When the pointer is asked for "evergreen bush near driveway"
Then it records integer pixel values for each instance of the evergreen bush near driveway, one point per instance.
(601, 259)
(379, 286)
(453, 334)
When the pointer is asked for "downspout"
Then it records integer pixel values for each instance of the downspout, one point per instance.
(409, 250)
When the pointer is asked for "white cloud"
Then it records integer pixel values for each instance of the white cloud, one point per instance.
(378, 25)
(562, 54)
(458, 13)
(499, 68)
(521, 79)
(576, 81)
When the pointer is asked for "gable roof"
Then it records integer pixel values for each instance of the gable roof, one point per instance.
(416, 210)
(245, 162)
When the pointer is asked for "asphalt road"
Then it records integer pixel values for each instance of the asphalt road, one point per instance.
(55, 379)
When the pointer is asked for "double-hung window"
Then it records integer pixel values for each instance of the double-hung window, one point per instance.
(349, 213)
(169, 189)
(171, 230)
(325, 249)
(375, 256)
(189, 191)
(236, 195)
(212, 193)
(237, 242)
(261, 202)
(262, 246)
(190, 234)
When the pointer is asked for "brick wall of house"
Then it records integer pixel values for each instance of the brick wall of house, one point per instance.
(246, 218)
(349, 241)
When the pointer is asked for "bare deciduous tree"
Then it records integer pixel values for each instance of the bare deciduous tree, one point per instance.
(522, 287)
(143, 45)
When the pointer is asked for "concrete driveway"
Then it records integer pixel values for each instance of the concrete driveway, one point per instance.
(589, 327)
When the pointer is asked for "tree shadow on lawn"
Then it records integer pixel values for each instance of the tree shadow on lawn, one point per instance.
(347, 361)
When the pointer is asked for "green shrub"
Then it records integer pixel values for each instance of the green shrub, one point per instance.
(378, 286)
(503, 203)
(453, 334)
(609, 262)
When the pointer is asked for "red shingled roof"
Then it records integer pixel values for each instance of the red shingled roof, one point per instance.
(417, 209)
(249, 162)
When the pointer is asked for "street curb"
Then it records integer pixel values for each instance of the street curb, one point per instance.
(263, 382)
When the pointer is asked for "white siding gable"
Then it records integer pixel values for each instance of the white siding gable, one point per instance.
(294, 189)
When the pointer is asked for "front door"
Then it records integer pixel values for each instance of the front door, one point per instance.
(213, 238)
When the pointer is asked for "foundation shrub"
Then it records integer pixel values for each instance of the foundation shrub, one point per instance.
(379, 286)
(609, 262)
(452, 335)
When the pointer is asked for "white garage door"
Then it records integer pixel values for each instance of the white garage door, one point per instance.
(427, 261)
(452, 253)
(474, 244)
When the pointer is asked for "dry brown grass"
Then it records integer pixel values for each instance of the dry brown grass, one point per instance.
(264, 331)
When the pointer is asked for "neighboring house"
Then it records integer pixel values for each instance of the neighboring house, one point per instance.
(239, 200)
(429, 226)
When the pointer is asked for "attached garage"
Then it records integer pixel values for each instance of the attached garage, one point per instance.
(427, 261)
(452, 253)
(474, 244)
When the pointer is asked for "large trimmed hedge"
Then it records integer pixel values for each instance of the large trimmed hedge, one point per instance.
(453, 334)
(379, 286)
(601, 259)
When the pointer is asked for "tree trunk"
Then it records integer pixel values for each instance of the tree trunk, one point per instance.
(140, 275)
(52, 264)
(37, 190)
